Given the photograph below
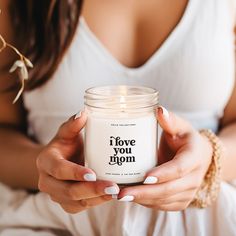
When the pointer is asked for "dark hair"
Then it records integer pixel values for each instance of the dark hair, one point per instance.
(45, 29)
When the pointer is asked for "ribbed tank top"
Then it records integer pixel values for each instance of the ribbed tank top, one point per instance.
(193, 70)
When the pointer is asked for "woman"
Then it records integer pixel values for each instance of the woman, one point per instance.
(185, 49)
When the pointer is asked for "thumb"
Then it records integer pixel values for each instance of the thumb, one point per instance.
(171, 123)
(70, 129)
(67, 137)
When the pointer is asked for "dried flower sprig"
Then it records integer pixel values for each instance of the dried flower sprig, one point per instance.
(19, 65)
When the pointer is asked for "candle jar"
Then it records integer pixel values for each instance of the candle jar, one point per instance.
(121, 132)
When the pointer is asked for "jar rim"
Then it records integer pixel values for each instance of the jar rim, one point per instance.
(113, 97)
(146, 91)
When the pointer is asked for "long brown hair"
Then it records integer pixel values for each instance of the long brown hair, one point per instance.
(45, 29)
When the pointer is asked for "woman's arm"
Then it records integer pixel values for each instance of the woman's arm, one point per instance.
(17, 152)
(18, 159)
(227, 135)
(173, 185)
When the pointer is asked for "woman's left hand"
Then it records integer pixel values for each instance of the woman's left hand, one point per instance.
(184, 157)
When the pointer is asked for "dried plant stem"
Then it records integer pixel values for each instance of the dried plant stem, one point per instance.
(20, 91)
(5, 44)
(19, 65)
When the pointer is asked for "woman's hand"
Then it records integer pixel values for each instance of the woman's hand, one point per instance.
(184, 155)
(71, 185)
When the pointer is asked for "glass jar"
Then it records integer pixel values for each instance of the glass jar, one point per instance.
(121, 132)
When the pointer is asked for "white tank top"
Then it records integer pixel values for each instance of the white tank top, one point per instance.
(193, 71)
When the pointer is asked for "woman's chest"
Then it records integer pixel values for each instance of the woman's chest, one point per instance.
(132, 31)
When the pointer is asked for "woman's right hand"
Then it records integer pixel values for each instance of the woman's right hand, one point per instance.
(71, 185)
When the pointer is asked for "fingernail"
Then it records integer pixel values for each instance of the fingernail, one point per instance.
(150, 180)
(164, 112)
(127, 198)
(111, 190)
(114, 196)
(90, 177)
(175, 137)
(78, 115)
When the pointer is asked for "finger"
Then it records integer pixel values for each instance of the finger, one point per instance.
(177, 206)
(162, 190)
(185, 196)
(51, 162)
(86, 190)
(181, 165)
(75, 191)
(73, 207)
(79, 159)
(171, 123)
(66, 201)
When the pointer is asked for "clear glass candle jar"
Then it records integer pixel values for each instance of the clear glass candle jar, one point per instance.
(121, 132)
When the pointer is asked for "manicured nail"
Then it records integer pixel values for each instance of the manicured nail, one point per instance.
(114, 196)
(90, 177)
(175, 137)
(111, 190)
(164, 112)
(150, 180)
(127, 198)
(78, 115)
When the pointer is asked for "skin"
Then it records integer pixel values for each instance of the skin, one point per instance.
(184, 153)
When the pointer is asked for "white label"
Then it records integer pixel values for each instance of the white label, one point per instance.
(121, 150)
